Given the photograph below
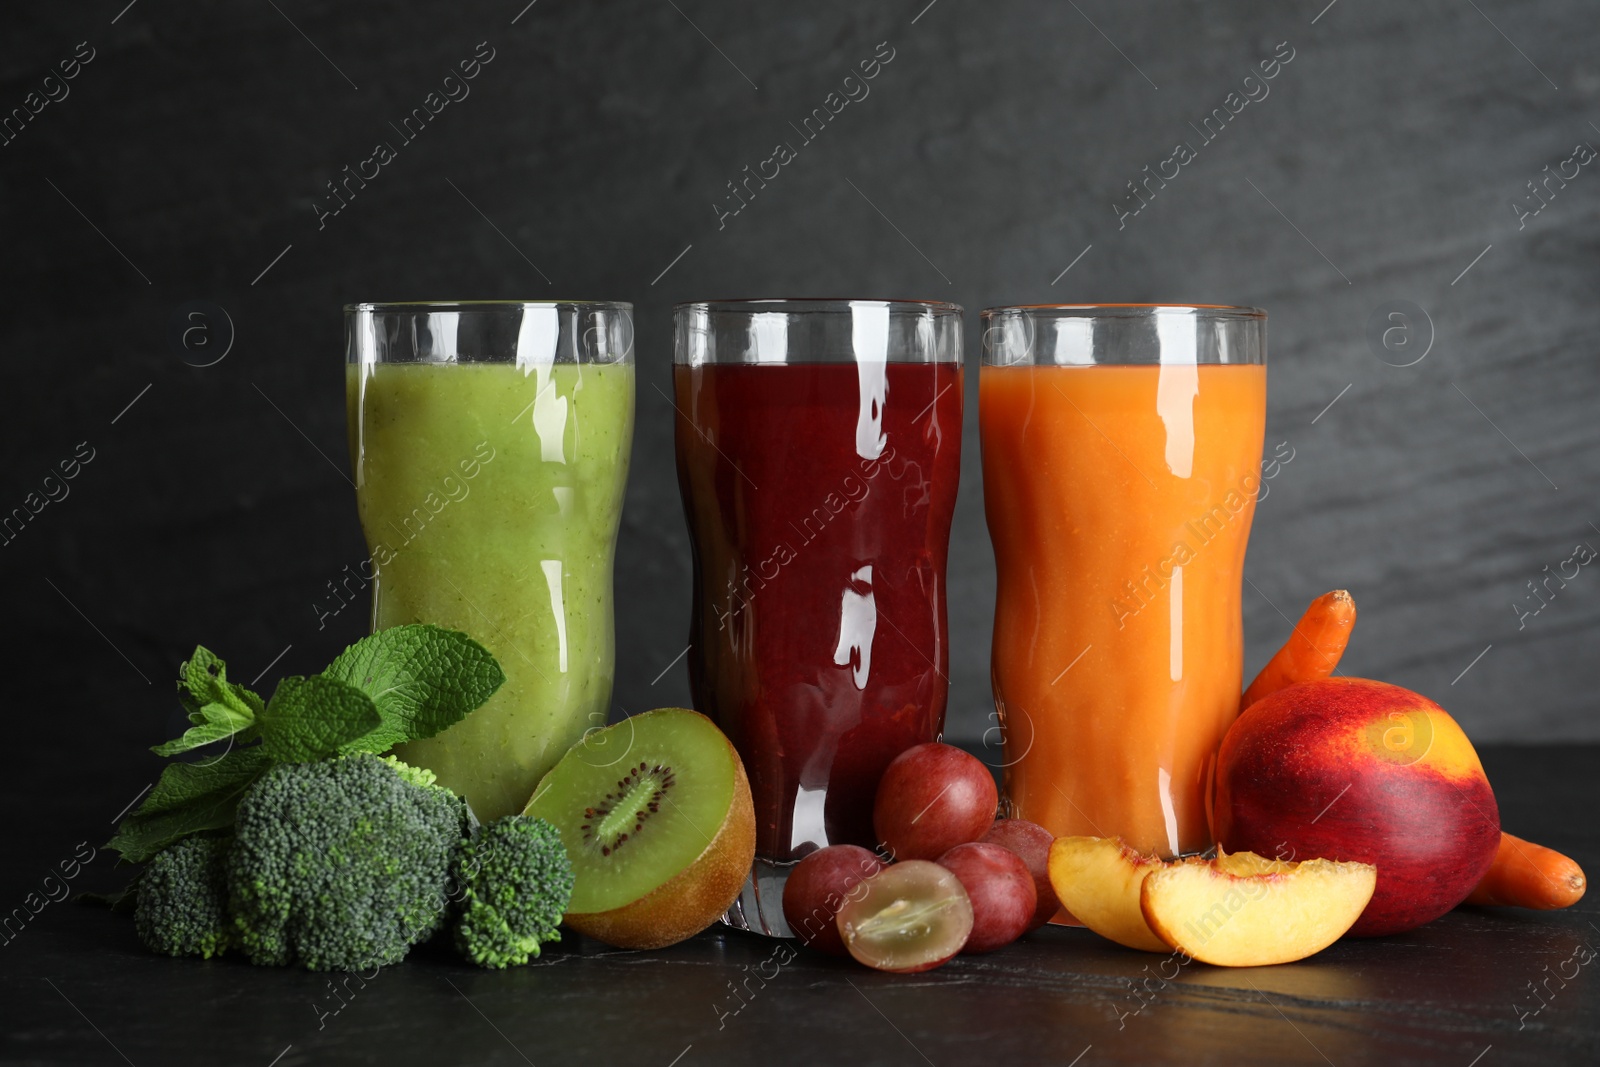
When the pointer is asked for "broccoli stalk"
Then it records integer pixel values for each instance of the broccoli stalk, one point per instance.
(515, 881)
(342, 864)
(182, 895)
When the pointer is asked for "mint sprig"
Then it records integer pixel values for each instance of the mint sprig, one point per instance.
(398, 685)
(217, 707)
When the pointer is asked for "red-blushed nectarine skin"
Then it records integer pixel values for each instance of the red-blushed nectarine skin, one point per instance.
(1356, 770)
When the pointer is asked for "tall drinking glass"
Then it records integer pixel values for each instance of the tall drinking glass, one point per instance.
(819, 447)
(490, 442)
(1121, 462)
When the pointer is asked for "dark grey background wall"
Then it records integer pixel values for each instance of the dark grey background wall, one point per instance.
(190, 154)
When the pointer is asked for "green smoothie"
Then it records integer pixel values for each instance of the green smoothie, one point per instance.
(490, 495)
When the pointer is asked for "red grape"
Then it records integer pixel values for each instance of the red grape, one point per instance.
(1001, 891)
(931, 798)
(819, 886)
(1032, 842)
(913, 917)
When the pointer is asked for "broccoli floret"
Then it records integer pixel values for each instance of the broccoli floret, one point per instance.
(182, 907)
(414, 775)
(515, 880)
(342, 864)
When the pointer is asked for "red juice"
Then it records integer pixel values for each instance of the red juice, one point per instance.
(819, 498)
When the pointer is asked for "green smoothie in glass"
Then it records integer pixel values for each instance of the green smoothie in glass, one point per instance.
(490, 488)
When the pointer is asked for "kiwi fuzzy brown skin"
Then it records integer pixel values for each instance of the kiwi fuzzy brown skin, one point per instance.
(696, 896)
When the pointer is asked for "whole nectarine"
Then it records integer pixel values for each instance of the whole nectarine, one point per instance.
(1357, 770)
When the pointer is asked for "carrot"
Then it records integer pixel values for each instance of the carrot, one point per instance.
(1313, 649)
(1526, 875)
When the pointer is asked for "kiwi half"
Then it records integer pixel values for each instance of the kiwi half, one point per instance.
(655, 812)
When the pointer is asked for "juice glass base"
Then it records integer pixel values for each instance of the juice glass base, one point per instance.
(759, 908)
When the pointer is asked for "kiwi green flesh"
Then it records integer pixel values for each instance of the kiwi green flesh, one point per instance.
(664, 779)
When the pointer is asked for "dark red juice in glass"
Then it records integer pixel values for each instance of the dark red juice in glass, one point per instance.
(819, 498)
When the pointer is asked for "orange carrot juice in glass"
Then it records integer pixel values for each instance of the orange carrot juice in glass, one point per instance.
(1121, 460)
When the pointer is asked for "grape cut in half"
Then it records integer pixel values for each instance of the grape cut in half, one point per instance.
(913, 916)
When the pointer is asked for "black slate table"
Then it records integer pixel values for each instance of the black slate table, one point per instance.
(1478, 988)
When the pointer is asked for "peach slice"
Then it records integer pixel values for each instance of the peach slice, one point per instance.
(1243, 863)
(1098, 880)
(1277, 911)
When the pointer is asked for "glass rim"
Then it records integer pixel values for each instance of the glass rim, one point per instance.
(1130, 311)
(483, 305)
(812, 305)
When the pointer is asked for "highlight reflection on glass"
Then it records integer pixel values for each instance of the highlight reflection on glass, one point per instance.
(818, 447)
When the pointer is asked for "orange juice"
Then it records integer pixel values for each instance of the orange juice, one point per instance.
(1119, 500)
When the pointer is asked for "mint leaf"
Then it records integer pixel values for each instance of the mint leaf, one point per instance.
(182, 784)
(421, 678)
(222, 715)
(217, 707)
(140, 837)
(312, 718)
(197, 678)
(189, 797)
(204, 680)
(214, 722)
